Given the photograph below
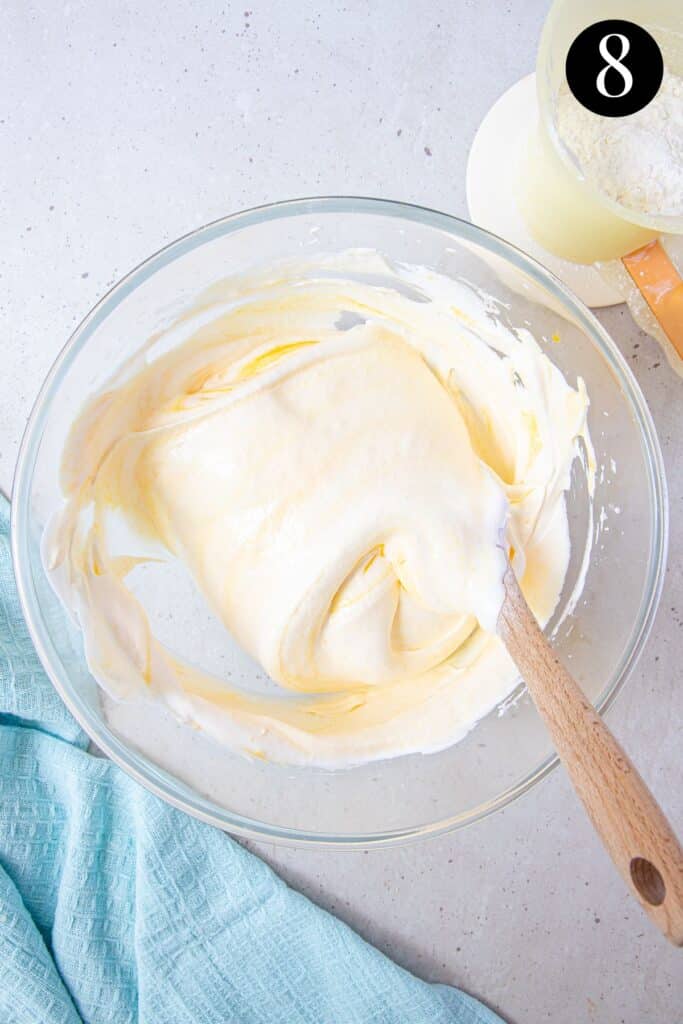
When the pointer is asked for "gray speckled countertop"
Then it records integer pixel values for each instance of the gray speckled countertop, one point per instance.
(123, 126)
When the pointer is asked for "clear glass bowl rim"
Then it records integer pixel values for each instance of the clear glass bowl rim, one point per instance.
(157, 780)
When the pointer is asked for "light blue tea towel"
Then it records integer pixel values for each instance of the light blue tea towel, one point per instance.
(116, 908)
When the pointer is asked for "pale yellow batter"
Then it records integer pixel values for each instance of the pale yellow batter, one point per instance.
(343, 454)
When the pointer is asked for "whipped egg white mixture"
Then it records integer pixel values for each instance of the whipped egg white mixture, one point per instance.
(344, 454)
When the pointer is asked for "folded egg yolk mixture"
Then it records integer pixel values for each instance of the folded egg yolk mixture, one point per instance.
(343, 454)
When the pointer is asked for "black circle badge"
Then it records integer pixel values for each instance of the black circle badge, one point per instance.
(614, 68)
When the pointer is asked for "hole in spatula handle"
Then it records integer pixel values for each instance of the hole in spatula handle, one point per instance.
(648, 881)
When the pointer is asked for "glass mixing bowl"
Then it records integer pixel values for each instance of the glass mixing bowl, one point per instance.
(509, 750)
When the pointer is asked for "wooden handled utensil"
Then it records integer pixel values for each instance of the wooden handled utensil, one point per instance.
(626, 816)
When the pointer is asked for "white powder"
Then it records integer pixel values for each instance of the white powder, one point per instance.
(636, 160)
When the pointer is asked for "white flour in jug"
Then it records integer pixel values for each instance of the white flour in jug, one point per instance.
(636, 160)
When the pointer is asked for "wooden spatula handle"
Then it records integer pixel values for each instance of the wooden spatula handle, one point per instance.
(626, 816)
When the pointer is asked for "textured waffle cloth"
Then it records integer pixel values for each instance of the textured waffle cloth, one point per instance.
(114, 907)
